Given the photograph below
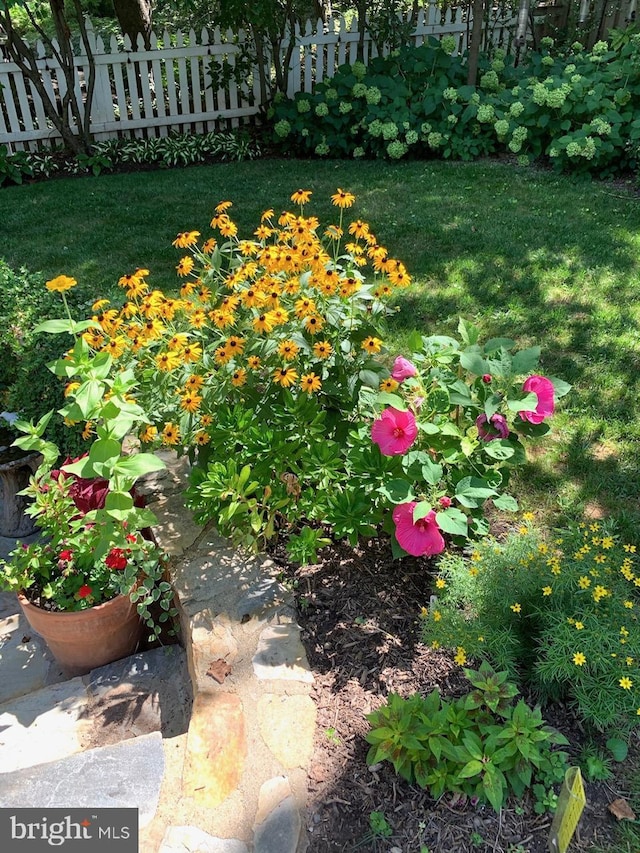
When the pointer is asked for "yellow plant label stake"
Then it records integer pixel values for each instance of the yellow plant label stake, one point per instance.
(571, 802)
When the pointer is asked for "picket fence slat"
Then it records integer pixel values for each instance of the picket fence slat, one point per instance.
(178, 84)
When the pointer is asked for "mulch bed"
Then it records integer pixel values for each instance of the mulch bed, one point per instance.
(358, 610)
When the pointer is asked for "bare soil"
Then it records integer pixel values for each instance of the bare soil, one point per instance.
(358, 610)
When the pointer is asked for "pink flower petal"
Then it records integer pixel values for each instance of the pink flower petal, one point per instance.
(419, 538)
(394, 432)
(543, 388)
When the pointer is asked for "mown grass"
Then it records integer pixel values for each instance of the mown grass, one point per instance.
(536, 256)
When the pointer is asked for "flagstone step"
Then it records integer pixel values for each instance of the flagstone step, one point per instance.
(126, 774)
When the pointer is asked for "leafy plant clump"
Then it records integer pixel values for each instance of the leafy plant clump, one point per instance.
(177, 149)
(559, 613)
(578, 108)
(481, 745)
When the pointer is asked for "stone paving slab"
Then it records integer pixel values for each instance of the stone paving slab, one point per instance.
(128, 774)
(25, 661)
(190, 839)
(43, 726)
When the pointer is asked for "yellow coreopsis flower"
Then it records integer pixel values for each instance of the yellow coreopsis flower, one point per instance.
(148, 434)
(322, 349)
(185, 265)
(579, 659)
(285, 376)
(371, 344)
(186, 239)
(288, 349)
(310, 383)
(60, 283)
(191, 402)
(626, 683)
(441, 583)
(171, 434)
(547, 590)
(517, 608)
(239, 377)
(167, 361)
(343, 199)
(301, 196)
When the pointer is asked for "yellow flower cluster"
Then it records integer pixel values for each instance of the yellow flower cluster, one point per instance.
(289, 308)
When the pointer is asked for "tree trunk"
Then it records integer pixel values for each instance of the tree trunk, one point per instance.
(478, 7)
(134, 17)
(69, 113)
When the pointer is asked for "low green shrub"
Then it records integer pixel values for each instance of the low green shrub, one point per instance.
(561, 616)
(481, 745)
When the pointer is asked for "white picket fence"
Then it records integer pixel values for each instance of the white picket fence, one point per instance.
(186, 83)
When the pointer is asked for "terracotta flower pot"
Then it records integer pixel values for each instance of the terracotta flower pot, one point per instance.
(83, 640)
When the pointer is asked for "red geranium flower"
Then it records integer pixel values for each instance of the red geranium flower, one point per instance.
(116, 559)
(84, 591)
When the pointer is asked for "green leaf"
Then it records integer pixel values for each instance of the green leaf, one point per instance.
(525, 404)
(618, 748)
(420, 510)
(453, 521)
(495, 344)
(526, 360)
(118, 505)
(499, 449)
(432, 472)
(506, 502)
(471, 488)
(468, 332)
(139, 464)
(472, 361)
(397, 491)
(394, 400)
(471, 768)
(560, 387)
(54, 327)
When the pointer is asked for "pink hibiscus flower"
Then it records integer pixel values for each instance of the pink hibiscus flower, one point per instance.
(543, 387)
(394, 431)
(495, 427)
(403, 369)
(419, 538)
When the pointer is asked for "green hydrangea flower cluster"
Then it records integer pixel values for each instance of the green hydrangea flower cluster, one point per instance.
(358, 152)
(344, 107)
(486, 113)
(359, 90)
(547, 61)
(448, 44)
(331, 95)
(501, 127)
(359, 70)
(389, 130)
(373, 95)
(282, 128)
(450, 94)
(375, 128)
(396, 149)
(411, 137)
(490, 82)
(452, 119)
(600, 126)
(516, 109)
(322, 109)
(434, 140)
(303, 105)
(322, 149)
(517, 138)
(547, 42)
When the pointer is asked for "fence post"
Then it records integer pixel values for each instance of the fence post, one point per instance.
(102, 104)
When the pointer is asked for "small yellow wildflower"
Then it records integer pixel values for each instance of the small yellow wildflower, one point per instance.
(584, 582)
(625, 683)
(628, 604)
(517, 608)
(579, 659)
(579, 626)
(437, 616)
(460, 657)
(528, 516)
(441, 583)
(547, 590)
(371, 344)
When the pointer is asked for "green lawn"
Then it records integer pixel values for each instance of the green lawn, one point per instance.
(539, 257)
